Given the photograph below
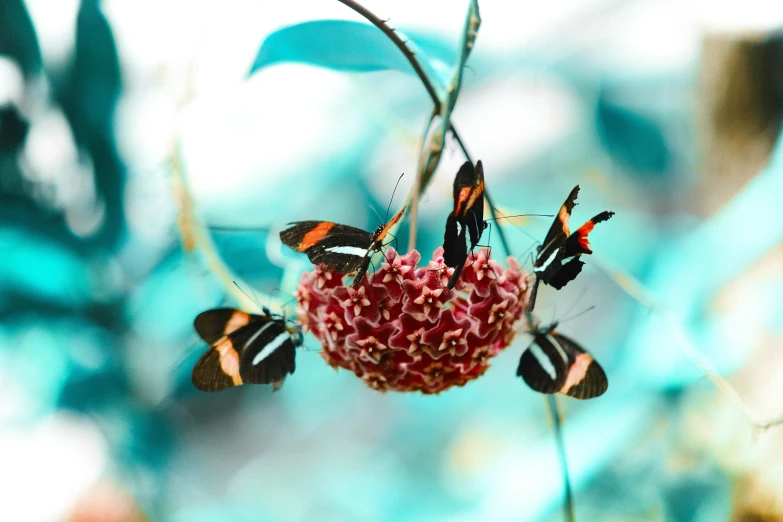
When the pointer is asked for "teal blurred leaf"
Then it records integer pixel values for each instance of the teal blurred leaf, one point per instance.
(340, 45)
(95, 76)
(94, 391)
(89, 101)
(34, 266)
(17, 36)
(13, 130)
(632, 139)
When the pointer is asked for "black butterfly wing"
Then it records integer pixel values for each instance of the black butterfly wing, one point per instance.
(455, 247)
(231, 358)
(585, 379)
(267, 354)
(557, 235)
(467, 217)
(464, 182)
(577, 243)
(474, 212)
(301, 235)
(210, 373)
(554, 363)
(565, 273)
(543, 365)
(213, 324)
(223, 329)
(340, 247)
(343, 250)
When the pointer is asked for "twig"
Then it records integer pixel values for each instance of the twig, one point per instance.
(568, 505)
(388, 31)
(194, 236)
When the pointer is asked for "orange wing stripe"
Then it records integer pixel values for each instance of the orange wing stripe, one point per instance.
(390, 224)
(315, 235)
(564, 216)
(585, 229)
(460, 206)
(229, 360)
(237, 320)
(577, 372)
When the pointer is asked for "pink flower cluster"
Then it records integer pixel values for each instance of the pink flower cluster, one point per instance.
(403, 330)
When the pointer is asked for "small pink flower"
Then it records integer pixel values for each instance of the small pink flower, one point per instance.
(324, 276)
(482, 268)
(303, 297)
(357, 299)
(436, 274)
(393, 274)
(416, 340)
(454, 342)
(428, 299)
(370, 348)
(332, 326)
(376, 381)
(395, 270)
(498, 312)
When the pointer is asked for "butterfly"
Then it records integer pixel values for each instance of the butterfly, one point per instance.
(244, 348)
(557, 262)
(340, 247)
(467, 218)
(554, 363)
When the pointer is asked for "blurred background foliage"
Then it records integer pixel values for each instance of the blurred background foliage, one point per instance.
(667, 113)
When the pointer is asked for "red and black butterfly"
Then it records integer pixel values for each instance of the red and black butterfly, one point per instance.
(557, 262)
(554, 363)
(340, 247)
(244, 348)
(467, 218)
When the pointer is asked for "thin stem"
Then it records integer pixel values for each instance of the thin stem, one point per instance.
(195, 236)
(413, 214)
(501, 234)
(459, 142)
(568, 505)
(388, 31)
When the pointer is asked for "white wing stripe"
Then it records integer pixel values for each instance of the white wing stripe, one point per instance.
(349, 250)
(270, 348)
(543, 361)
(255, 335)
(546, 263)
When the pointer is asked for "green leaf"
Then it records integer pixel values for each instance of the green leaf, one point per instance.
(89, 102)
(340, 45)
(17, 36)
(634, 140)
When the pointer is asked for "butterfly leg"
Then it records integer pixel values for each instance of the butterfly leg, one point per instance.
(394, 240)
(489, 240)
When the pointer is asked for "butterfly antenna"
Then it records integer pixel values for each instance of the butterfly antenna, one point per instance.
(253, 297)
(528, 254)
(577, 314)
(516, 226)
(517, 215)
(489, 240)
(392, 198)
(576, 301)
